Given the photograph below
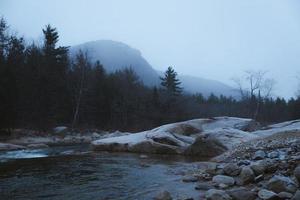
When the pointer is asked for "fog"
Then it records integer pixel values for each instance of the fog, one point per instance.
(215, 39)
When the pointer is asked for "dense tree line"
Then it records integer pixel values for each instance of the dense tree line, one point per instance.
(42, 87)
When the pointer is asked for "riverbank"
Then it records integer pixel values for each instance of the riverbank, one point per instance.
(244, 161)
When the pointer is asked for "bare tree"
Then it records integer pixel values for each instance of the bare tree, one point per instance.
(80, 68)
(254, 86)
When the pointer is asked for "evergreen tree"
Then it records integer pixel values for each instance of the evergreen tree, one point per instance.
(170, 82)
(55, 65)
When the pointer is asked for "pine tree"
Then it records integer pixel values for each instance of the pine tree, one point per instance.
(170, 82)
(54, 70)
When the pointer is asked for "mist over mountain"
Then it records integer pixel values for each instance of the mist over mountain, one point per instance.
(115, 55)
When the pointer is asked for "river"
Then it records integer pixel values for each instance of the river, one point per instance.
(75, 172)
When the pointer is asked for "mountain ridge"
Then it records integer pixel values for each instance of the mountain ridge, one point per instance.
(115, 55)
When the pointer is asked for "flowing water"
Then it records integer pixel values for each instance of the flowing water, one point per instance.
(74, 172)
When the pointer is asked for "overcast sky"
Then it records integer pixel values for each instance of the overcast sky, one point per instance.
(215, 39)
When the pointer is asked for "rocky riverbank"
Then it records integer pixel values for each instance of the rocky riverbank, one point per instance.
(59, 136)
(248, 162)
(266, 168)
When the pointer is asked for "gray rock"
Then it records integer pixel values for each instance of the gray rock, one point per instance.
(189, 178)
(221, 179)
(208, 147)
(214, 194)
(259, 167)
(204, 186)
(285, 195)
(243, 162)
(281, 184)
(259, 155)
(273, 154)
(247, 175)
(267, 194)
(163, 195)
(296, 195)
(297, 173)
(231, 169)
(242, 194)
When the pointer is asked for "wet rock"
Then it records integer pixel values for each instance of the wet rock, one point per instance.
(189, 178)
(214, 194)
(163, 195)
(247, 175)
(273, 154)
(259, 155)
(204, 146)
(259, 167)
(204, 186)
(267, 195)
(297, 173)
(281, 184)
(221, 179)
(296, 195)
(285, 195)
(231, 169)
(223, 186)
(243, 162)
(242, 194)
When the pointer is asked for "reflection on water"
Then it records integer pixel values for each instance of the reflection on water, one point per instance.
(64, 175)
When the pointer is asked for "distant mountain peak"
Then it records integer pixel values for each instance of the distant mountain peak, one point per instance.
(114, 55)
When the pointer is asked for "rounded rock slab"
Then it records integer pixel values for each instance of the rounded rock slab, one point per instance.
(222, 179)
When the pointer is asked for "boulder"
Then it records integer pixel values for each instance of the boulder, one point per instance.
(204, 186)
(259, 155)
(163, 195)
(259, 167)
(281, 184)
(267, 195)
(214, 194)
(297, 173)
(231, 169)
(247, 175)
(273, 154)
(221, 179)
(205, 147)
(200, 137)
(296, 195)
(189, 178)
(285, 195)
(242, 194)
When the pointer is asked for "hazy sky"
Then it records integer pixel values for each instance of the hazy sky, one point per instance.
(215, 39)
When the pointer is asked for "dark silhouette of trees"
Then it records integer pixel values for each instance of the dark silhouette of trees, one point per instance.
(41, 86)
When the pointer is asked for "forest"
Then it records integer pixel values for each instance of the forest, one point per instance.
(42, 86)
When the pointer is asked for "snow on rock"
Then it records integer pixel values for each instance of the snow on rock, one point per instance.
(205, 137)
(289, 126)
(60, 129)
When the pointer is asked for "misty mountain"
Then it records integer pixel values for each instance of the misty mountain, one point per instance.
(206, 86)
(117, 55)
